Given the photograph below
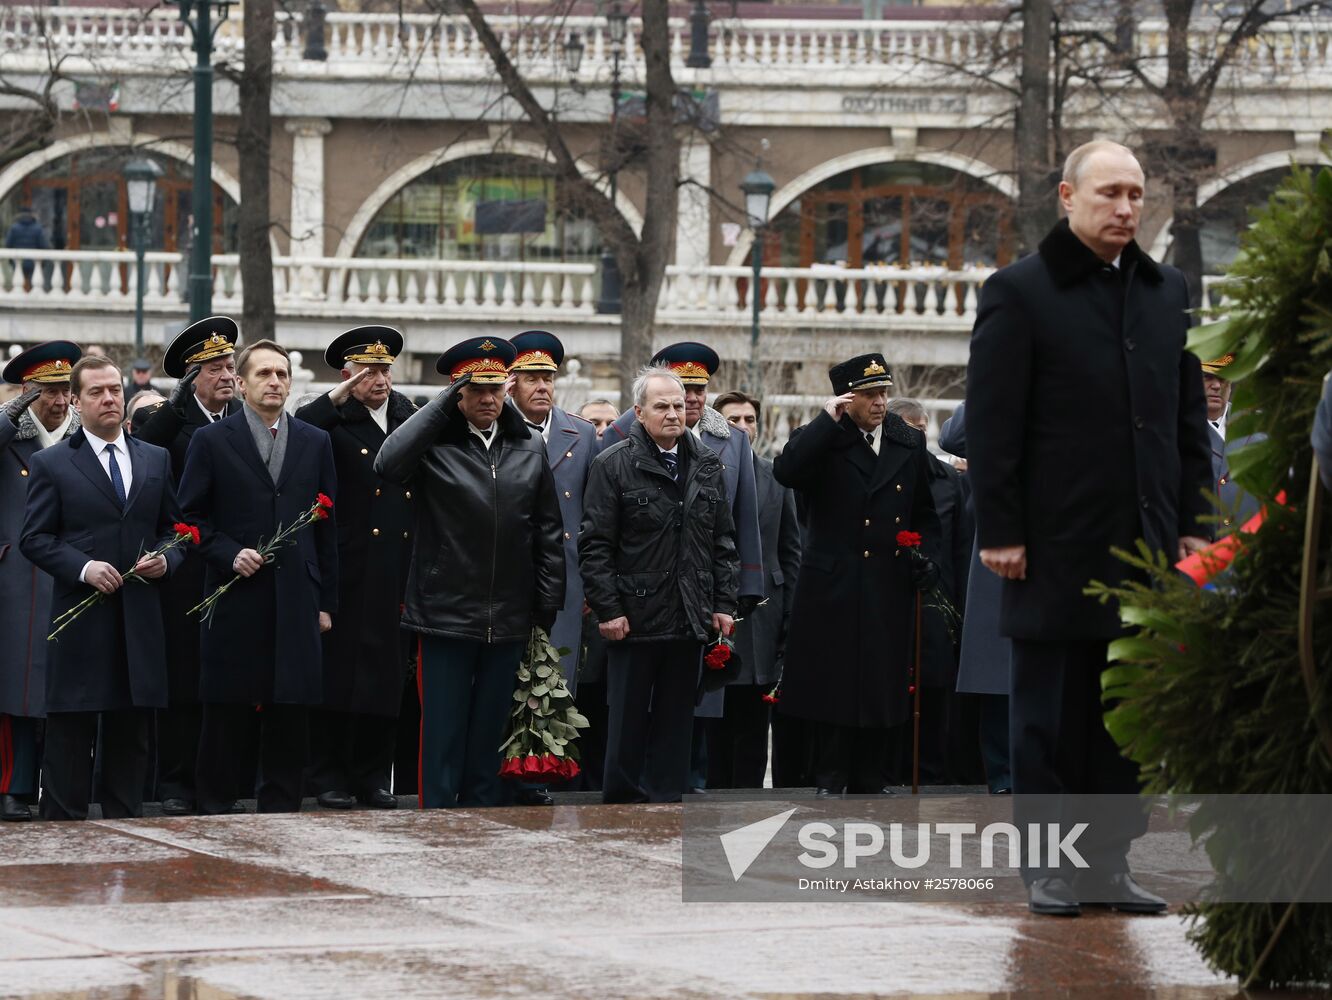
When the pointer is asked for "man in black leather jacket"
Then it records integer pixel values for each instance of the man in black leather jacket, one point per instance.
(487, 565)
(660, 568)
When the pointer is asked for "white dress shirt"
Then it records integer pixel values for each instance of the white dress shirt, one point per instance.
(380, 416)
(487, 436)
(875, 436)
(99, 448)
(212, 417)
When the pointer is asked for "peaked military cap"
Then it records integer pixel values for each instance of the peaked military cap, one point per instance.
(46, 363)
(694, 363)
(365, 345)
(1215, 367)
(211, 337)
(538, 351)
(486, 359)
(868, 371)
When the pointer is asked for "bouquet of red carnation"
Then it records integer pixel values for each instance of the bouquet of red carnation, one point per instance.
(910, 540)
(721, 665)
(544, 722)
(182, 533)
(318, 511)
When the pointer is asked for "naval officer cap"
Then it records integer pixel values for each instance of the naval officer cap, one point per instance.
(48, 363)
(694, 363)
(1218, 366)
(868, 371)
(537, 351)
(209, 338)
(486, 359)
(365, 345)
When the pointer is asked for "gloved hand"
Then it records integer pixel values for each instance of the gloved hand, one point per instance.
(448, 399)
(544, 620)
(184, 389)
(15, 407)
(924, 573)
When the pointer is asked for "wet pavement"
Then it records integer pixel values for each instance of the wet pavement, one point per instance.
(536, 902)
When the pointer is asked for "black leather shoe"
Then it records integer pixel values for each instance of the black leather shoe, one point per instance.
(887, 790)
(533, 797)
(1118, 892)
(825, 793)
(1052, 897)
(237, 808)
(177, 807)
(14, 811)
(379, 799)
(336, 800)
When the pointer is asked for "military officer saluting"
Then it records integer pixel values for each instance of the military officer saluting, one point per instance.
(38, 418)
(202, 359)
(865, 477)
(365, 655)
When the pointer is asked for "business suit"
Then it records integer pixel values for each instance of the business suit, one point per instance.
(112, 660)
(262, 644)
(738, 741)
(179, 723)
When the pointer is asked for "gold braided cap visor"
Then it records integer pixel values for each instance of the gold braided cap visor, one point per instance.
(484, 371)
(49, 372)
(691, 372)
(216, 346)
(534, 361)
(370, 354)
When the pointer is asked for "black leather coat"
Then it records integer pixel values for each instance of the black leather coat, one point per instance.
(658, 552)
(489, 552)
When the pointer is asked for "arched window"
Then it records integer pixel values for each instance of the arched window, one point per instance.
(894, 213)
(81, 202)
(498, 207)
(1228, 213)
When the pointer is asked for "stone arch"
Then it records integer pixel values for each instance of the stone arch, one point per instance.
(404, 175)
(816, 175)
(1241, 171)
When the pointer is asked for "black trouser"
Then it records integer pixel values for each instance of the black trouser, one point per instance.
(1060, 746)
(738, 741)
(407, 744)
(591, 702)
(67, 763)
(178, 750)
(994, 741)
(350, 752)
(792, 751)
(852, 759)
(650, 688)
(283, 735)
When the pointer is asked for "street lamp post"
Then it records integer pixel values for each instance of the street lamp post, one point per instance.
(758, 187)
(201, 202)
(141, 186)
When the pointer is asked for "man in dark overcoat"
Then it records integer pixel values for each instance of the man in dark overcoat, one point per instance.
(1086, 430)
(939, 707)
(352, 733)
(40, 417)
(738, 741)
(97, 503)
(657, 551)
(202, 360)
(865, 477)
(260, 657)
(487, 565)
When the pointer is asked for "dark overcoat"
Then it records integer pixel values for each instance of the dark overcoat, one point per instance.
(262, 644)
(25, 591)
(365, 665)
(113, 656)
(171, 429)
(850, 648)
(985, 658)
(760, 639)
(1086, 427)
(571, 449)
(939, 643)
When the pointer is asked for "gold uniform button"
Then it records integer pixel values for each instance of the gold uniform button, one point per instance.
(867, 522)
(378, 491)
(897, 520)
(409, 494)
(375, 532)
(867, 553)
(899, 487)
(897, 553)
(404, 534)
(567, 535)
(567, 495)
(1226, 522)
(365, 451)
(23, 472)
(1222, 481)
(568, 454)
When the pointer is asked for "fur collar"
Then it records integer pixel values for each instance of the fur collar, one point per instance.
(1070, 260)
(353, 411)
(712, 422)
(27, 428)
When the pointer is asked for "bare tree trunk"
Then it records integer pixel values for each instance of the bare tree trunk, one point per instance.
(1036, 205)
(254, 144)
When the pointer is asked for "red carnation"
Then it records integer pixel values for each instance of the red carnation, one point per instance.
(717, 656)
(908, 539)
(324, 501)
(187, 531)
(320, 514)
(770, 699)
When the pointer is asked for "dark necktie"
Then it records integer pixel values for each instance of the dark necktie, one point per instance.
(273, 431)
(869, 439)
(672, 464)
(117, 483)
(214, 417)
(539, 428)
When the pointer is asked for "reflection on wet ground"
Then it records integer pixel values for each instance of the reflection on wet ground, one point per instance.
(564, 901)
